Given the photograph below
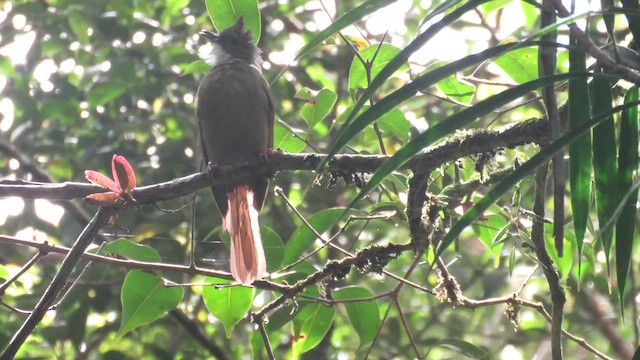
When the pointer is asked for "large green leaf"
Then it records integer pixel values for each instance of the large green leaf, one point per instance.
(457, 90)
(317, 321)
(518, 174)
(132, 250)
(377, 56)
(225, 13)
(273, 248)
(628, 164)
(229, 304)
(318, 107)
(145, 299)
(364, 315)
(521, 64)
(286, 141)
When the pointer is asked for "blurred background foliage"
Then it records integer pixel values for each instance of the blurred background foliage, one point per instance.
(84, 80)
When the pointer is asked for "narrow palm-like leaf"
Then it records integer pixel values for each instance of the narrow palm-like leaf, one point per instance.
(628, 164)
(608, 16)
(394, 65)
(346, 133)
(409, 90)
(605, 168)
(632, 7)
(525, 169)
(580, 150)
(454, 122)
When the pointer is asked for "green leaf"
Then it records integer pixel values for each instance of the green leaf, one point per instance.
(286, 141)
(521, 64)
(383, 54)
(314, 328)
(273, 248)
(350, 17)
(225, 13)
(563, 263)
(457, 90)
(318, 107)
(4, 273)
(605, 166)
(303, 238)
(64, 110)
(364, 315)
(6, 66)
(103, 93)
(519, 173)
(304, 94)
(493, 6)
(145, 299)
(395, 123)
(460, 346)
(132, 250)
(580, 155)
(229, 304)
(80, 24)
(628, 163)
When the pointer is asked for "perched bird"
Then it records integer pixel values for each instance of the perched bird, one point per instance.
(235, 115)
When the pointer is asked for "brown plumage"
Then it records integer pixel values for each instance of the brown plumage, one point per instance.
(247, 255)
(235, 115)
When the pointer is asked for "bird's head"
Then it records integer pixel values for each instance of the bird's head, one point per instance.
(231, 44)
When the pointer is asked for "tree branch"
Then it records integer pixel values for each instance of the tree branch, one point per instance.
(558, 297)
(470, 143)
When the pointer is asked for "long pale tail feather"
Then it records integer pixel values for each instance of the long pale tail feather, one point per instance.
(248, 262)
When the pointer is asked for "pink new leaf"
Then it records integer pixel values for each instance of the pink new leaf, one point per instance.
(123, 174)
(102, 199)
(101, 180)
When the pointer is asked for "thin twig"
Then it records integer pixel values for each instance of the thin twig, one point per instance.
(384, 319)
(405, 325)
(265, 339)
(134, 264)
(192, 328)
(34, 259)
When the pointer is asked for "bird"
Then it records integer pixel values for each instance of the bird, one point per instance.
(235, 112)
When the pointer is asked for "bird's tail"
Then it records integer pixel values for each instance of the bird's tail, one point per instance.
(241, 221)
